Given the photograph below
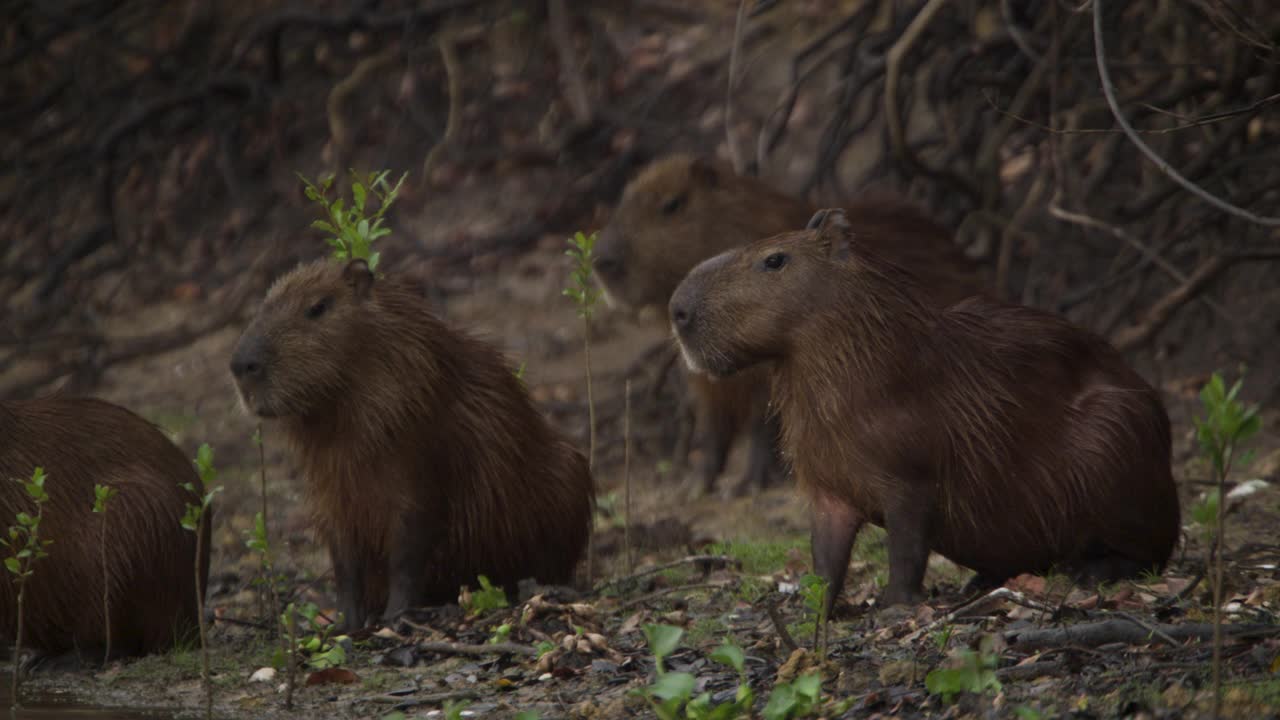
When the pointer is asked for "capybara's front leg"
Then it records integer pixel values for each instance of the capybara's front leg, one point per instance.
(407, 566)
(349, 577)
(835, 525)
(715, 437)
(906, 522)
(764, 463)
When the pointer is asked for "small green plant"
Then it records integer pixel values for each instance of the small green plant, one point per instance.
(322, 647)
(520, 375)
(796, 699)
(488, 597)
(26, 547)
(453, 709)
(813, 591)
(942, 638)
(500, 634)
(1226, 424)
(102, 495)
(671, 695)
(585, 295)
(193, 520)
(975, 672)
(543, 647)
(352, 229)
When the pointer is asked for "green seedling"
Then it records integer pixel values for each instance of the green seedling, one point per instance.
(322, 648)
(585, 295)
(671, 694)
(102, 495)
(26, 547)
(352, 229)
(500, 634)
(488, 597)
(796, 699)
(975, 673)
(453, 709)
(193, 520)
(1226, 424)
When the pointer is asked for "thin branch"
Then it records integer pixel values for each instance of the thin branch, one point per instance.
(453, 75)
(1109, 91)
(735, 154)
(575, 90)
(893, 71)
(504, 648)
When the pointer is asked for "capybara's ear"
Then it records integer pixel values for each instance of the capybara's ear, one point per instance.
(834, 232)
(358, 277)
(704, 173)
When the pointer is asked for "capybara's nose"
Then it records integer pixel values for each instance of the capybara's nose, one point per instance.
(246, 364)
(681, 315)
(607, 265)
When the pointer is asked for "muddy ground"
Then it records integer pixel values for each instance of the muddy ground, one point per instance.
(720, 567)
(876, 660)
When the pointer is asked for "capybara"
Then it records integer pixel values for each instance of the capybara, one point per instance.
(1003, 437)
(426, 463)
(150, 559)
(682, 210)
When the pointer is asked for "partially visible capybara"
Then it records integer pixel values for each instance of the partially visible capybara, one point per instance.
(150, 559)
(682, 210)
(1003, 437)
(426, 463)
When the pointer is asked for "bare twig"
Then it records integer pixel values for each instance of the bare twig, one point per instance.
(893, 72)
(668, 591)
(453, 74)
(575, 89)
(504, 648)
(1109, 91)
(1157, 632)
(626, 477)
(347, 87)
(735, 153)
(1159, 314)
(705, 560)
(788, 642)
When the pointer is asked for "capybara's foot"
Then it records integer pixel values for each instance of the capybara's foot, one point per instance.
(1111, 568)
(981, 584)
(900, 596)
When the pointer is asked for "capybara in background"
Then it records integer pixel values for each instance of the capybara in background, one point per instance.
(682, 210)
(150, 558)
(1003, 437)
(426, 462)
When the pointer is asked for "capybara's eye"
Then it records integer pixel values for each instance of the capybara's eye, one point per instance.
(318, 309)
(673, 205)
(775, 261)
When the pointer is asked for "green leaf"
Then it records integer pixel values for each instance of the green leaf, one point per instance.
(527, 715)
(662, 640)
(809, 686)
(781, 703)
(673, 686)
(14, 566)
(358, 194)
(731, 655)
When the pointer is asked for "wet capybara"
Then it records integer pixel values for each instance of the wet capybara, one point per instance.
(1002, 437)
(426, 462)
(682, 210)
(150, 559)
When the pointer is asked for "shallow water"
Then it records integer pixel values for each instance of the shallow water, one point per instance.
(40, 704)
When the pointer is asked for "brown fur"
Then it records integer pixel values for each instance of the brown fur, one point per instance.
(1003, 437)
(682, 210)
(426, 462)
(150, 570)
